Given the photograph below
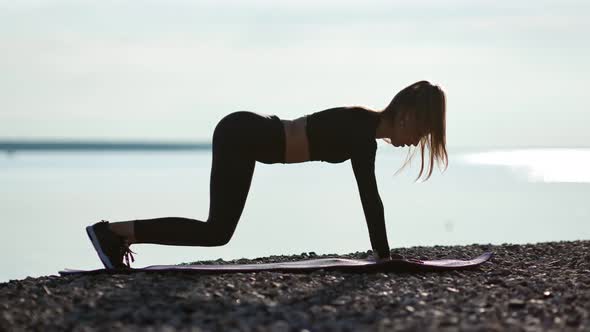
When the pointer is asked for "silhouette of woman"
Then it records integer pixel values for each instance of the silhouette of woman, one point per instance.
(415, 117)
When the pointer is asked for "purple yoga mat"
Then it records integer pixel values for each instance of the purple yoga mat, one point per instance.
(339, 264)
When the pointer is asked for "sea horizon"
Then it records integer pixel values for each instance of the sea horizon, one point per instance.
(115, 144)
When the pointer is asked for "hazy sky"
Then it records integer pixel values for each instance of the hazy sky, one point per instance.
(515, 72)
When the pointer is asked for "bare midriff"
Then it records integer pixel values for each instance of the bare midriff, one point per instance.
(296, 144)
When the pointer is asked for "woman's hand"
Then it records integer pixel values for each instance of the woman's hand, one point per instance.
(378, 259)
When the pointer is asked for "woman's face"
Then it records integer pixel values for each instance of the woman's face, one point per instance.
(406, 130)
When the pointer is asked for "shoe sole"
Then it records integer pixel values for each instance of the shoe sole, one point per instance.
(94, 239)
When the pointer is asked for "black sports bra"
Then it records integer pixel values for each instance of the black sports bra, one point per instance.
(337, 134)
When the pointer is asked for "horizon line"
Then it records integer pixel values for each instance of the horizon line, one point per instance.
(11, 146)
(14, 145)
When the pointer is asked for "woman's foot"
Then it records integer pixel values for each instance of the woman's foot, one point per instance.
(111, 248)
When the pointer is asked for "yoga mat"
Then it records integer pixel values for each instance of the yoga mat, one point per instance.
(332, 264)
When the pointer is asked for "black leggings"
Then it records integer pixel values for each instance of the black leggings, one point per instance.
(239, 140)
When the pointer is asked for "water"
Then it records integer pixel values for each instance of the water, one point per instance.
(498, 196)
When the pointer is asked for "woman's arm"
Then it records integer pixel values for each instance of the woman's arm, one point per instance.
(363, 166)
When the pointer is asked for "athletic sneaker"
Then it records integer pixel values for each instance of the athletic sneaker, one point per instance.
(111, 248)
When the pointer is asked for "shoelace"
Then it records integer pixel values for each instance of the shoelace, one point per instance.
(127, 252)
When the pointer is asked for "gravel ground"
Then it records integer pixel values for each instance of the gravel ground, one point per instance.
(543, 286)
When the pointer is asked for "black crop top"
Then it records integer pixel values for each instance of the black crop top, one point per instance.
(338, 134)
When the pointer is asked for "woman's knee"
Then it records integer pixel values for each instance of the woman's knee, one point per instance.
(222, 238)
(220, 232)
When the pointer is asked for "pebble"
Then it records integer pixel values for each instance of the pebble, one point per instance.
(515, 303)
(532, 287)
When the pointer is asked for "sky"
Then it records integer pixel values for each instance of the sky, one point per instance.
(516, 73)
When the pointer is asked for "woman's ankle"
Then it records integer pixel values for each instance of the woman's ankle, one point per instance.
(124, 229)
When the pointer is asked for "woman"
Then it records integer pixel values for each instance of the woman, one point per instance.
(415, 117)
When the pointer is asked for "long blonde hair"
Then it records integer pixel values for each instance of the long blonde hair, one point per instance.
(428, 102)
